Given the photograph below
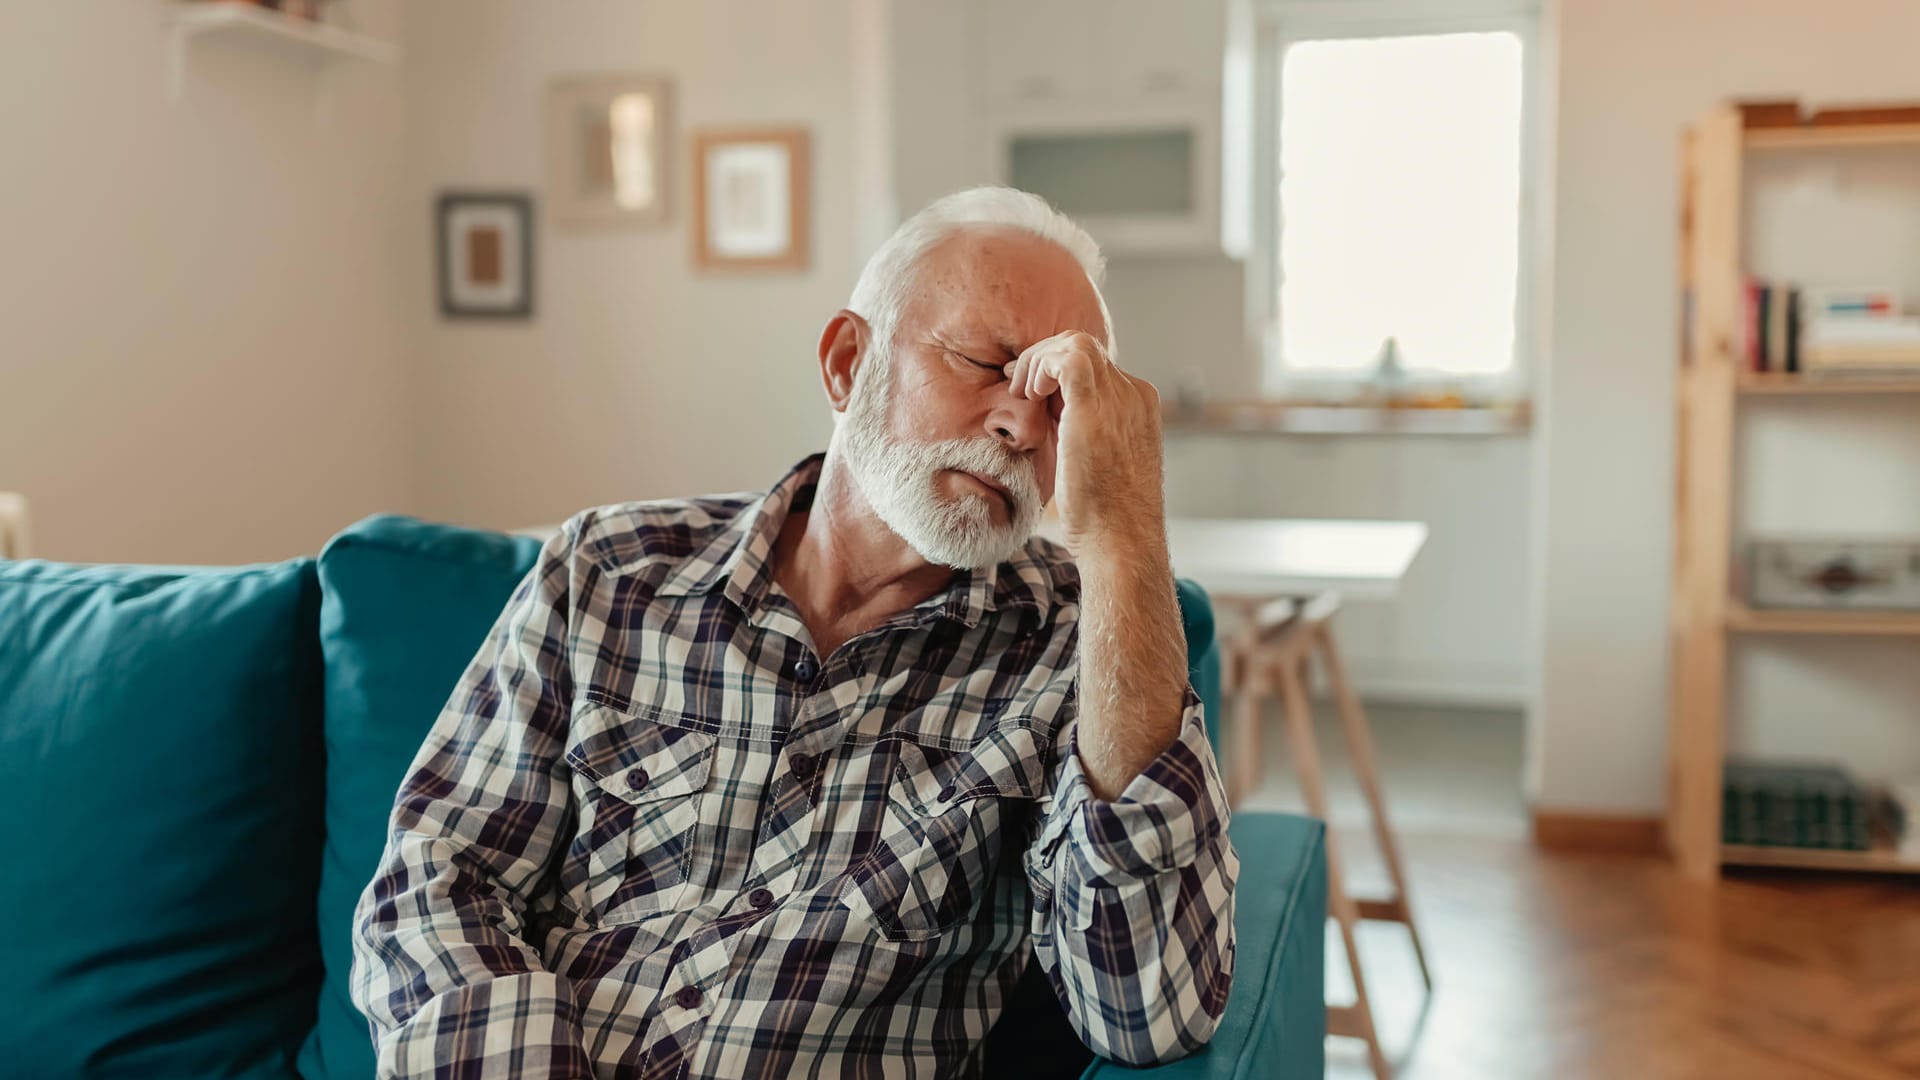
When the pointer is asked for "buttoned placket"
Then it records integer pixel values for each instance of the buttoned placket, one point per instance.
(703, 959)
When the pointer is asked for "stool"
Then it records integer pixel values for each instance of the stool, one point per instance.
(1277, 640)
(13, 525)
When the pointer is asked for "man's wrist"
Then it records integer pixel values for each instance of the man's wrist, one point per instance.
(1133, 546)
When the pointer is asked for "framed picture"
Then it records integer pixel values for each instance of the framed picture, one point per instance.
(485, 247)
(750, 199)
(607, 140)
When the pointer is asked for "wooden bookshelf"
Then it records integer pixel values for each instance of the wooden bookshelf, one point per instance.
(1882, 858)
(1814, 385)
(1745, 620)
(1831, 138)
(1705, 618)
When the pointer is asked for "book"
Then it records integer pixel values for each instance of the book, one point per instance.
(1825, 304)
(1763, 327)
(1862, 357)
(1794, 804)
(1749, 324)
(1777, 327)
(1793, 329)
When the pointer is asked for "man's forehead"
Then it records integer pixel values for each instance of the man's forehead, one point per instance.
(1006, 288)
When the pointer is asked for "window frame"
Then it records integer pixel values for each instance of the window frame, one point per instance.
(1270, 28)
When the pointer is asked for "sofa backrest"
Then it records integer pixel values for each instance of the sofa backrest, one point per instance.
(405, 606)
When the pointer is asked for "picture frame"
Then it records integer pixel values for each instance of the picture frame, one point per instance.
(752, 207)
(609, 140)
(483, 243)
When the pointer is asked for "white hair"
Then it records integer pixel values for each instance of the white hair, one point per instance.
(881, 294)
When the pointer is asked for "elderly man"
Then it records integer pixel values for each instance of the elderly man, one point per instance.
(795, 783)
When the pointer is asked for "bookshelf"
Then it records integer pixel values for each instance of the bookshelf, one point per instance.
(1782, 385)
(1706, 613)
(1881, 858)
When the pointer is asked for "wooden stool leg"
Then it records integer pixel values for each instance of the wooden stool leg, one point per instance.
(1355, 1020)
(1353, 721)
(1244, 682)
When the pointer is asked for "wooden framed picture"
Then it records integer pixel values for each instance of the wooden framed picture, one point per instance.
(484, 242)
(750, 199)
(607, 144)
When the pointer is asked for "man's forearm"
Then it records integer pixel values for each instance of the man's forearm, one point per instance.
(1133, 660)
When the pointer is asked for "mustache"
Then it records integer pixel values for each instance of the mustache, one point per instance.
(990, 458)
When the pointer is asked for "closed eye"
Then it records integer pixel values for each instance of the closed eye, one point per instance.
(982, 365)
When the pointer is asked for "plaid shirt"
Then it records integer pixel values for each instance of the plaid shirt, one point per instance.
(653, 835)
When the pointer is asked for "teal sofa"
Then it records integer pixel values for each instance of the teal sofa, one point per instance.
(196, 768)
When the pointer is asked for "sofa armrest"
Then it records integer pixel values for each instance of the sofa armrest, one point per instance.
(1276, 1019)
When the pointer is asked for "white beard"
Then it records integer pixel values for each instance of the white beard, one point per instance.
(899, 479)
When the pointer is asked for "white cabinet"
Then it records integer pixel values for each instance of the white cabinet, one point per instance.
(1111, 110)
(1038, 50)
(1081, 51)
(1161, 48)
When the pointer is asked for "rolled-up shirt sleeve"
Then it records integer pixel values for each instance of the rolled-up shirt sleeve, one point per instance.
(1133, 911)
(443, 967)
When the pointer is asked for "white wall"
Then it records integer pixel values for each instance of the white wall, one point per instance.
(638, 376)
(201, 358)
(1633, 73)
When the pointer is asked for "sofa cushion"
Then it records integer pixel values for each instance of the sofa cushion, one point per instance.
(406, 605)
(160, 781)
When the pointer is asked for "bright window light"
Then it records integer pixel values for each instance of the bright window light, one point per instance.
(1399, 205)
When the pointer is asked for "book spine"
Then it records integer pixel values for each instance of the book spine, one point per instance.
(1764, 328)
(1777, 328)
(1793, 329)
(1750, 325)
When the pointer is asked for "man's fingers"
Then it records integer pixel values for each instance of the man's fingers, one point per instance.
(1062, 364)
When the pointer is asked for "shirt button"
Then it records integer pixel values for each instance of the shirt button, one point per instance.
(687, 997)
(946, 793)
(804, 670)
(761, 899)
(802, 766)
(637, 778)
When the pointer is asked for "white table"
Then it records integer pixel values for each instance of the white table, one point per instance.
(1275, 557)
(1268, 558)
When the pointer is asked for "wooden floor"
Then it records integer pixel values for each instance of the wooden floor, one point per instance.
(1606, 966)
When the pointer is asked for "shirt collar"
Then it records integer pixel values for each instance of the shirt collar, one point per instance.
(738, 561)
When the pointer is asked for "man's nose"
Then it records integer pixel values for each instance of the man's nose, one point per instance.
(1021, 423)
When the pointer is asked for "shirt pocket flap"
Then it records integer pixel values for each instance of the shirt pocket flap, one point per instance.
(639, 758)
(1011, 762)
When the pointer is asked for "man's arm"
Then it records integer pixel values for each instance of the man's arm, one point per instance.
(441, 962)
(1132, 870)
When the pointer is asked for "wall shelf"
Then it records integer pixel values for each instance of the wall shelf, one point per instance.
(1280, 418)
(192, 19)
(321, 39)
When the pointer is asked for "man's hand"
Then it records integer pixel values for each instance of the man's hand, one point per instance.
(1107, 481)
(1133, 657)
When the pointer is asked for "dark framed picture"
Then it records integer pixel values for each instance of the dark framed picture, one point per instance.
(485, 254)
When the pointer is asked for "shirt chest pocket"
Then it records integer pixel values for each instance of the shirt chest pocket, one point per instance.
(950, 820)
(638, 781)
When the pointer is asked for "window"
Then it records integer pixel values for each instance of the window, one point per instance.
(1398, 217)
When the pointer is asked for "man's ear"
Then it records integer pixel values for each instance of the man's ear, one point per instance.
(844, 346)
